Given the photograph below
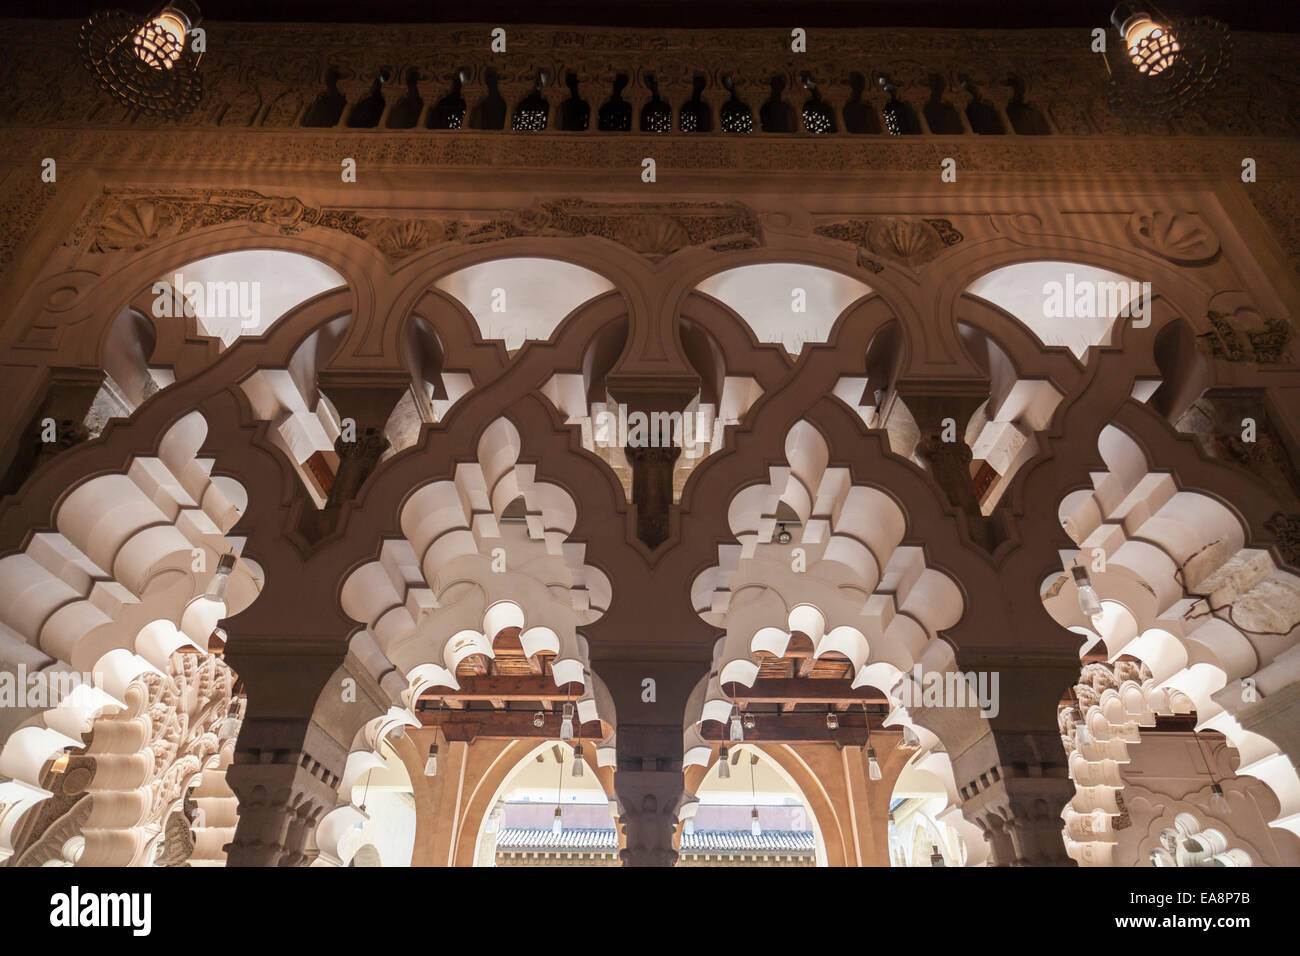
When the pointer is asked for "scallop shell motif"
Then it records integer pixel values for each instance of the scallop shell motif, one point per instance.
(136, 223)
(1181, 237)
(911, 242)
(652, 235)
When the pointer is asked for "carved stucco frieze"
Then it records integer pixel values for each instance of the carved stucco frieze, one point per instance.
(1237, 339)
(132, 219)
(1286, 528)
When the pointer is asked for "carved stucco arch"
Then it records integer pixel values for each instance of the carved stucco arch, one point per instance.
(1114, 703)
(835, 838)
(1184, 616)
(487, 789)
(624, 269)
(128, 280)
(1188, 289)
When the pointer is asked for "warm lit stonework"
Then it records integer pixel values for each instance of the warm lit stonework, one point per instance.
(811, 496)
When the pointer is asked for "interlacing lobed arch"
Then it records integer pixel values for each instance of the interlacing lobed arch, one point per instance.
(118, 597)
(1213, 620)
(845, 584)
(463, 579)
(443, 583)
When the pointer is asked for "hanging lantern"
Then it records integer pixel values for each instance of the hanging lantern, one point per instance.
(1167, 64)
(149, 63)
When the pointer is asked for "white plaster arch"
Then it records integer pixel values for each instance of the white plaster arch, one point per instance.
(460, 577)
(265, 284)
(765, 296)
(1178, 563)
(1022, 290)
(522, 298)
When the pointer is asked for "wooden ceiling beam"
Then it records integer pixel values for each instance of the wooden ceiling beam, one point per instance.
(467, 725)
(831, 691)
(506, 688)
(804, 728)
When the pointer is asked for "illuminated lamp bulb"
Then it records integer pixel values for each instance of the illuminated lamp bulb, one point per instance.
(832, 721)
(539, 719)
(750, 721)
(566, 723)
(1162, 857)
(873, 765)
(689, 826)
(216, 590)
(755, 827)
(60, 764)
(1152, 48)
(724, 764)
(431, 764)
(737, 733)
(936, 858)
(783, 536)
(1089, 602)
(160, 42)
(578, 761)
(1219, 800)
(230, 726)
(557, 822)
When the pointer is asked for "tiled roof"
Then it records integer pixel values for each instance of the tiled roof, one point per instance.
(742, 841)
(541, 838)
(701, 841)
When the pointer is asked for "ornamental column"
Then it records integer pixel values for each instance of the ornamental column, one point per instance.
(1012, 773)
(286, 769)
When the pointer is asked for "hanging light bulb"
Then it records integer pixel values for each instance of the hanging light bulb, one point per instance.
(832, 720)
(873, 765)
(539, 720)
(216, 590)
(936, 858)
(577, 760)
(566, 723)
(1162, 857)
(755, 827)
(737, 733)
(365, 818)
(724, 764)
(1082, 735)
(230, 726)
(1218, 799)
(783, 536)
(557, 822)
(1089, 602)
(750, 721)
(431, 764)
